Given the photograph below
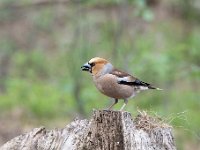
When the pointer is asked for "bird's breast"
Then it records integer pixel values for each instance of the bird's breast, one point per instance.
(109, 86)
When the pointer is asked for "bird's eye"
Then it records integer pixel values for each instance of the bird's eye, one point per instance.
(92, 64)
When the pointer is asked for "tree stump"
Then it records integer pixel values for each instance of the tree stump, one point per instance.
(107, 130)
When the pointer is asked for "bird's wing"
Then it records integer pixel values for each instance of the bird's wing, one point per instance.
(119, 73)
(126, 79)
(122, 76)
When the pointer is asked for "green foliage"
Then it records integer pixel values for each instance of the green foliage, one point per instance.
(41, 99)
(45, 20)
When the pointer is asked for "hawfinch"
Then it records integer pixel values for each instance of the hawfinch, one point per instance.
(113, 82)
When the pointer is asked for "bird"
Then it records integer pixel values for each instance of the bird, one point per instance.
(113, 82)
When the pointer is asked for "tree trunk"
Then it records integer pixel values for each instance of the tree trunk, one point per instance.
(107, 130)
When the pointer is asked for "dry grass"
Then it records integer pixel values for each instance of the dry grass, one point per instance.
(147, 123)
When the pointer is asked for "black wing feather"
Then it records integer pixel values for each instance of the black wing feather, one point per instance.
(137, 82)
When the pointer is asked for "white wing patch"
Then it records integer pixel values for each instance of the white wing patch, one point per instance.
(127, 79)
(143, 88)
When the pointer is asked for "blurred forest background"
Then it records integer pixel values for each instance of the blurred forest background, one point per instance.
(44, 43)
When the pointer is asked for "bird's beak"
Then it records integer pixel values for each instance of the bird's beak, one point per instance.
(86, 67)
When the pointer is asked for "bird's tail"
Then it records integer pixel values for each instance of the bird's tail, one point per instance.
(152, 87)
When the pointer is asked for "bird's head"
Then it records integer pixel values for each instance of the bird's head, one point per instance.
(97, 65)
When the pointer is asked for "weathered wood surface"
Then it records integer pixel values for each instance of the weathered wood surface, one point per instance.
(107, 130)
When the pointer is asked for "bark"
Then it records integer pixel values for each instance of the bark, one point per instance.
(107, 130)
